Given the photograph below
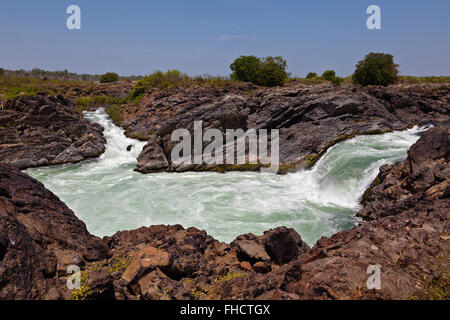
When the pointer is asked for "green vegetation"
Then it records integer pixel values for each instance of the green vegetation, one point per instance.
(269, 71)
(119, 264)
(59, 75)
(411, 79)
(114, 112)
(85, 292)
(376, 69)
(12, 87)
(436, 287)
(2, 71)
(245, 68)
(230, 276)
(159, 80)
(88, 103)
(173, 78)
(109, 77)
(330, 75)
(311, 75)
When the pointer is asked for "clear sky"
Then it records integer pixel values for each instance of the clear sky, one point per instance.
(200, 37)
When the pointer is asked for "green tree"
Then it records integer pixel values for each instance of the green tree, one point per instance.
(245, 68)
(272, 72)
(311, 75)
(109, 77)
(329, 75)
(269, 71)
(376, 69)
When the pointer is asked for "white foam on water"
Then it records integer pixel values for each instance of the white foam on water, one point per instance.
(109, 196)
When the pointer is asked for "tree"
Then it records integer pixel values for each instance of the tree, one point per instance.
(2, 71)
(376, 69)
(109, 77)
(269, 71)
(311, 75)
(245, 68)
(272, 72)
(329, 75)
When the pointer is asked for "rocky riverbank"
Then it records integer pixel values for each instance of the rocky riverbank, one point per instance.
(311, 118)
(407, 237)
(43, 130)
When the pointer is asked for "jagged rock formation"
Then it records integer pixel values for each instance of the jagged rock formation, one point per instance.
(424, 176)
(40, 237)
(310, 118)
(44, 130)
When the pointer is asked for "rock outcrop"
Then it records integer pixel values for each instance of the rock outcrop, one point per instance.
(423, 177)
(40, 237)
(310, 118)
(407, 241)
(44, 130)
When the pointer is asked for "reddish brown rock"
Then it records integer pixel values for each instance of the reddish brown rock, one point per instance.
(148, 258)
(40, 237)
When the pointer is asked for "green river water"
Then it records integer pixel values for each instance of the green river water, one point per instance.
(109, 196)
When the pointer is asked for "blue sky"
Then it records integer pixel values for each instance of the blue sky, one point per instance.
(199, 37)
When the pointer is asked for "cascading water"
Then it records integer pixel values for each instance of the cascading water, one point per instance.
(109, 196)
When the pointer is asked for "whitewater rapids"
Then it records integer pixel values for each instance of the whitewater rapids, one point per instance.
(109, 196)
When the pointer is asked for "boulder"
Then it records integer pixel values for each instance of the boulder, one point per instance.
(147, 259)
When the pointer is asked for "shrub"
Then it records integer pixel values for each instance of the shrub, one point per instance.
(245, 68)
(158, 80)
(311, 75)
(269, 71)
(337, 81)
(109, 77)
(329, 75)
(376, 69)
(272, 72)
(2, 71)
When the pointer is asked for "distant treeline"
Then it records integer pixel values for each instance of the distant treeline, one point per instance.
(59, 75)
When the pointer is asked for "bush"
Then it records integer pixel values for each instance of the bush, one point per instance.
(376, 69)
(109, 77)
(245, 68)
(337, 81)
(2, 71)
(270, 71)
(329, 75)
(311, 75)
(159, 80)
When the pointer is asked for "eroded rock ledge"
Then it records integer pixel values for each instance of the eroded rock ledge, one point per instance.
(310, 118)
(408, 239)
(44, 130)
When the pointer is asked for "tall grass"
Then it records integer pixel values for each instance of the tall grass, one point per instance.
(11, 86)
(431, 79)
(171, 79)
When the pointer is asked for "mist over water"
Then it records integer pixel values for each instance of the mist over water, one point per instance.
(109, 196)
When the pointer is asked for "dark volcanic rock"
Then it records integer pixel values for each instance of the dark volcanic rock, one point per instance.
(407, 239)
(40, 238)
(423, 176)
(310, 118)
(43, 130)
